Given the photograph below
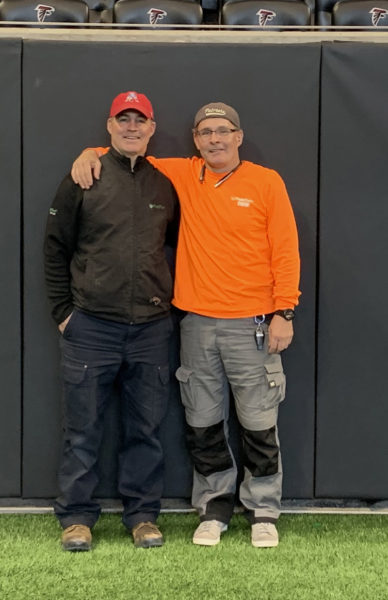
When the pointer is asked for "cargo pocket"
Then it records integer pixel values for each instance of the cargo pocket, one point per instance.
(275, 385)
(77, 395)
(158, 398)
(164, 374)
(74, 373)
(184, 376)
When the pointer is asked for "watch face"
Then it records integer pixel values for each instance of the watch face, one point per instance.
(288, 314)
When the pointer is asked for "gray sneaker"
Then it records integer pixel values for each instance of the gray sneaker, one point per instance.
(264, 535)
(208, 533)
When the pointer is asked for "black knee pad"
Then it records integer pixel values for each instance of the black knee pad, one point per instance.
(208, 448)
(261, 451)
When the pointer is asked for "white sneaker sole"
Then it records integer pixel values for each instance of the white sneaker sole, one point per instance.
(265, 544)
(206, 542)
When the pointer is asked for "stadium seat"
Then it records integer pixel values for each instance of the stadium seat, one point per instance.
(263, 13)
(158, 12)
(367, 13)
(54, 11)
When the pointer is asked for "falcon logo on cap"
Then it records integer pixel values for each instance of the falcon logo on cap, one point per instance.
(43, 11)
(377, 15)
(156, 14)
(265, 16)
(132, 97)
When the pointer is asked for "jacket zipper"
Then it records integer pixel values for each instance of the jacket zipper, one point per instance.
(134, 251)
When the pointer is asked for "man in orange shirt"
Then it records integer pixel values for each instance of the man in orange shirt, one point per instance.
(237, 277)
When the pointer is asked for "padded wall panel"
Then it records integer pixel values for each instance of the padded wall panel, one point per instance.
(352, 409)
(10, 336)
(68, 88)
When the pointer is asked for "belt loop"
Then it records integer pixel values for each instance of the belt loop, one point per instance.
(260, 319)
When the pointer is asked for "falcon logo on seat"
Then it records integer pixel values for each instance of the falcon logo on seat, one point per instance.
(156, 14)
(43, 11)
(265, 16)
(377, 15)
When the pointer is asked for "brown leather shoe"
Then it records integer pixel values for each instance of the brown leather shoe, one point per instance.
(147, 535)
(77, 538)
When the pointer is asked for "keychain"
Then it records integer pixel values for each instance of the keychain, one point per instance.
(259, 333)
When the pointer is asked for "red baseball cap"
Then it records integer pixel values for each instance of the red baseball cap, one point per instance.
(132, 101)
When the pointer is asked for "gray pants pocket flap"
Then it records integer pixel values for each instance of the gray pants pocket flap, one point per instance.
(183, 374)
(275, 376)
(273, 368)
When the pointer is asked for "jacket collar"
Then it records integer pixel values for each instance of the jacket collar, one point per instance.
(126, 162)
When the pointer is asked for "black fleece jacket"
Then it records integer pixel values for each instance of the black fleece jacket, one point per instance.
(105, 247)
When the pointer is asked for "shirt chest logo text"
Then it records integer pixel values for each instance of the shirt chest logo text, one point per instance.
(245, 202)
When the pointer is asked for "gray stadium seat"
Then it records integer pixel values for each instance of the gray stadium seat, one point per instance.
(266, 13)
(53, 11)
(367, 13)
(158, 12)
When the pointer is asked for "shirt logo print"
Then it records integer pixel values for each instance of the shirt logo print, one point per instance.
(245, 202)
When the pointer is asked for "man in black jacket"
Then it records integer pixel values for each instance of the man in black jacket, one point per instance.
(110, 287)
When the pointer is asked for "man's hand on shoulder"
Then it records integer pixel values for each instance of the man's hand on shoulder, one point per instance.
(280, 334)
(85, 167)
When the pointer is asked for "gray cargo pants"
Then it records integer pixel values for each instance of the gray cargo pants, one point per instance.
(214, 352)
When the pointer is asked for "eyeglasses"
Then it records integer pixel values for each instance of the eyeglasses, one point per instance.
(220, 131)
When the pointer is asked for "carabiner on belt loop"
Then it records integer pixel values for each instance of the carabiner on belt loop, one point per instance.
(259, 333)
(259, 319)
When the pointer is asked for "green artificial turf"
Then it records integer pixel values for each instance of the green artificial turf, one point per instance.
(321, 557)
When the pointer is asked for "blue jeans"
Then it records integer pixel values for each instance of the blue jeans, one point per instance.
(96, 353)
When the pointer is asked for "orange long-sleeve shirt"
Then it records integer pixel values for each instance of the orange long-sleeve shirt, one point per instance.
(238, 246)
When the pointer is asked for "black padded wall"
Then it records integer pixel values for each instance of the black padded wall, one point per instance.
(352, 408)
(67, 89)
(10, 337)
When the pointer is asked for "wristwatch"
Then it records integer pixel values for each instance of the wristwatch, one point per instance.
(286, 313)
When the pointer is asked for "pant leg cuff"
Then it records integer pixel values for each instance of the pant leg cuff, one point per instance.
(212, 517)
(219, 508)
(250, 515)
(133, 520)
(76, 520)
